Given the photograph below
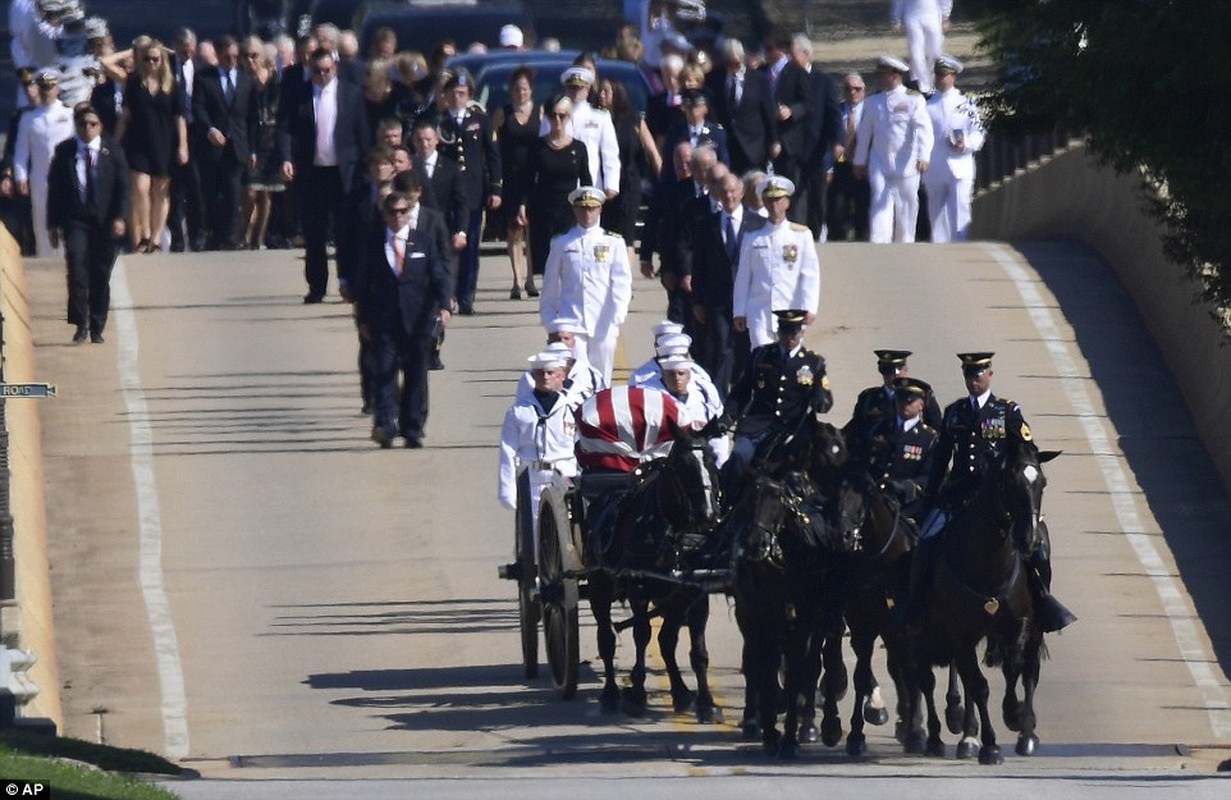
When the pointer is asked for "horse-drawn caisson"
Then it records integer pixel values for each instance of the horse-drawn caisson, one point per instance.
(807, 536)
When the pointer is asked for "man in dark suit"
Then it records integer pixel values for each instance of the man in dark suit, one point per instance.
(742, 104)
(226, 117)
(792, 93)
(466, 139)
(88, 199)
(321, 141)
(714, 257)
(698, 128)
(848, 196)
(823, 124)
(402, 292)
(188, 209)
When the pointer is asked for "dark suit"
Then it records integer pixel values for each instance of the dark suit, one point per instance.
(711, 133)
(89, 243)
(713, 265)
(668, 221)
(471, 146)
(824, 126)
(237, 117)
(325, 194)
(749, 123)
(793, 89)
(188, 207)
(848, 198)
(399, 312)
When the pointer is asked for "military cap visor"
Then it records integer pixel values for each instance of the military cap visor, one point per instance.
(791, 320)
(777, 186)
(908, 389)
(891, 358)
(888, 63)
(975, 363)
(586, 197)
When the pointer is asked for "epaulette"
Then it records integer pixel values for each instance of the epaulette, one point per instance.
(914, 92)
(475, 105)
(926, 428)
(798, 226)
(615, 235)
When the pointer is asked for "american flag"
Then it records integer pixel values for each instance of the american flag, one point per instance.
(622, 427)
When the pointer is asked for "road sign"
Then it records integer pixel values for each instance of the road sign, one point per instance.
(10, 390)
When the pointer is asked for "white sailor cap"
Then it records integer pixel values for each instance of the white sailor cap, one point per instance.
(888, 63)
(947, 63)
(776, 186)
(683, 361)
(511, 36)
(96, 28)
(577, 76)
(667, 327)
(548, 359)
(565, 325)
(560, 347)
(587, 197)
(673, 344)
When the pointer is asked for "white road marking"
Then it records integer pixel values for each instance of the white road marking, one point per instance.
(1175, 605)
(166, 647)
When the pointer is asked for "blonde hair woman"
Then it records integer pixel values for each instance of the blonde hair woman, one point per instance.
(154, 136)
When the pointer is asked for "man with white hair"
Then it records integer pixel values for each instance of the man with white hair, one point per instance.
(537, 436)
(587, 278)
(892, 148)
(744, 106)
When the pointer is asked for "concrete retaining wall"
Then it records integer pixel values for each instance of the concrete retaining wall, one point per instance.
(1070, 197)
(31, 620)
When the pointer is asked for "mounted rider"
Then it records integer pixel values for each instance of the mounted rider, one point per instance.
(878, 402)
(898, 449)
(973, 435)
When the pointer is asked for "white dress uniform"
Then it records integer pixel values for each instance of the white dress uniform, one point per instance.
(700, 405)
(582, 383)
(588, 278)
(950, 179)
(778, 268)
(40, 131)
(893, 135)
(923, 23)
(541, 441)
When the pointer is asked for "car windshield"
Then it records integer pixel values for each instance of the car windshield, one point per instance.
(492, 84)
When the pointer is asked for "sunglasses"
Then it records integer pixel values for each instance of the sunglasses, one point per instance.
(323, 70)
(398, 211)
(559, 116)
(854, 88)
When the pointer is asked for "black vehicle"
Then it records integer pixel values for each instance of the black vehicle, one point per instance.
(422, 26)
(492, 80)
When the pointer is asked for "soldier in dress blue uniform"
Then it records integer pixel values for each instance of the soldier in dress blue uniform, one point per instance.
(877, 402)
(783, 387)
(898, 447)
(466, 138)
(973, 433)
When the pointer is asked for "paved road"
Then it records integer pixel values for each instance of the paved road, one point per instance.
(245, 582)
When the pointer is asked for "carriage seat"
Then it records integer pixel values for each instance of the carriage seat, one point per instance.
(599, 492)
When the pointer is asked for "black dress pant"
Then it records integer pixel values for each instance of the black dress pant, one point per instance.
(393, 353)
(187, 204)
(324, 208)
(848, 200)
(222, 181)
(89, 250)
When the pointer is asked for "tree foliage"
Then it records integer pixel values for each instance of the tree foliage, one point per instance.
(1150, 83)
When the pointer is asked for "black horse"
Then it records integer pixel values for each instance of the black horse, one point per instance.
(879, 544)
(785, 595)
(645, 537)
(980, 590)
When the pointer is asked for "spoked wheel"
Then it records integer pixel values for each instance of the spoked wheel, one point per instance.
(528, 612)
(559, 604)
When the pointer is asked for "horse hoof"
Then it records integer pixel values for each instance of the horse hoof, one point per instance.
(955, 718)
(770, 742)
(912, 743)
(609, 701)
(989, 755)
(709, 714)
(682, 701)
(901, 731)
(750, 730)
(788, 750)
(633, 701)
(966, 750)
(875, 716)
(808, 733)
(856, 746)
(936, 748)
(831, 731)
(1027, 744)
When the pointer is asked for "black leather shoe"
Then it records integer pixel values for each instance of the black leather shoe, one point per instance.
(466, 311)
(382, 437)
(312, 297)
(436, 364)
(80, 335)
(414, 444)
(96, 337)
(177, 245)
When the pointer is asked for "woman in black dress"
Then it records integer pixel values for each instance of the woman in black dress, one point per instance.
(637, 151)
(154, 136)
(264, 179)
(517, 130)
(558, 164)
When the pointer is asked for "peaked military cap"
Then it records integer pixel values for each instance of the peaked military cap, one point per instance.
(974, 363)
(888, 63)
(49, 76)
(777, 186)
(947, 63)
(693, 97)
(791, 320)
(911, 388)
(586, 197)
(891, 358)
(577, 76)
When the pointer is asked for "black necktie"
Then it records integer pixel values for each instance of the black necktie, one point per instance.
(731, 82)
(732, 241)
(89, 178)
